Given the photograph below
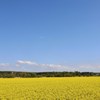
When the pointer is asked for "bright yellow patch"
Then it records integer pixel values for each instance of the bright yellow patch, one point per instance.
(74, 88)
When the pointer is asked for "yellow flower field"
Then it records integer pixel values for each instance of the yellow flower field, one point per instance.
(69, 88)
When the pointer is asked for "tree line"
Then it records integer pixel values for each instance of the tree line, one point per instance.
(12, 74)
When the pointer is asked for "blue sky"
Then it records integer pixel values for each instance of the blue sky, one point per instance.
(50, 35)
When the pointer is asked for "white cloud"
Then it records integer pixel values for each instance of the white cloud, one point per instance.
(26, 65)
(45, 67)
(57, 67)
(4, 64)
(89, 67)
(20, 62)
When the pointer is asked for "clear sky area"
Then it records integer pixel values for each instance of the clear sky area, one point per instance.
(50, 35)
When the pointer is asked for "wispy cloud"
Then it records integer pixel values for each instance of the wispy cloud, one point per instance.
(48, 67)
(57, 67)
(89, 67)
(26, 62)
(4, 64)
(27, 65)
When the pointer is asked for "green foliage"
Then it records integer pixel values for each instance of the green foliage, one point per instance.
(5, 74)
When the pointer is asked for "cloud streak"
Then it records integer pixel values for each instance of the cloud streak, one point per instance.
(27, 65)
(20, 62)
(4, 64)
(51, 67)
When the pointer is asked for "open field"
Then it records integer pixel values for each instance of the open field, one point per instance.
(69, 88)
